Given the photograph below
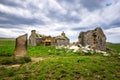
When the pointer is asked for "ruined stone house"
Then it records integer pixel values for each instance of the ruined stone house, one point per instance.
(38, 39)
(96, 39)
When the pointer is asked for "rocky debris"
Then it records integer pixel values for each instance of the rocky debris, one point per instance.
(85, 49)
(82, 48)
(74, 48)
(96, 39)
(60, 47)
(105, 54)
(21, 47)
(37, 59)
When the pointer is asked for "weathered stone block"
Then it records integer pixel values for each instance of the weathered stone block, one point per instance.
(21, 47)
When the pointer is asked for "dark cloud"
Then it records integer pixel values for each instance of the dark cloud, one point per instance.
(10, 3)
(78, 28)
(92, 5)
(116, 23)
(68, 1)
(113, 24)
(70, 4)
(84, 28)
(60, 29)
(63, 17)
(17, 20)
(8, 26)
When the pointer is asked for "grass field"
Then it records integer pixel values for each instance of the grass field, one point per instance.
(7, 47)
(60, 64)
(114, 46)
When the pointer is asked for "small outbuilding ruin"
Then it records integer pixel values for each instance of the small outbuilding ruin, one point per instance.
(96, 39)
(38, 39)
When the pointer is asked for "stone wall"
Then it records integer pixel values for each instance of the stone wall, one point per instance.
(61, 42)
(95, 38)
(32, 38)
(39, 41)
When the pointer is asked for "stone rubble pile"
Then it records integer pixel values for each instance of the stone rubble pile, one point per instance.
(85, 49)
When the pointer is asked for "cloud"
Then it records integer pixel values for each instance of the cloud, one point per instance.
(9, 3)
(113, 31)
(15, 11)
(51, 17)
(113, 34)
(92, 5)
(10, 32)
(16, 20)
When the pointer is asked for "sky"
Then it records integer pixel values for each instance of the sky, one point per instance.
(51, 17)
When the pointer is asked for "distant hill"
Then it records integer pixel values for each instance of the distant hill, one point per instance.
(8, 39)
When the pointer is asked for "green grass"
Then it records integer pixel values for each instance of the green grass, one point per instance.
(60, 64)
(11, 60)
(66, 68)
(114, 46)
(42, 51)
(7, 42)
(6, 47)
